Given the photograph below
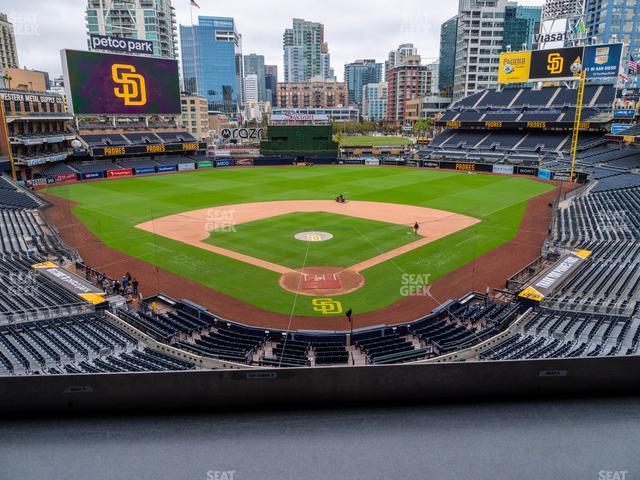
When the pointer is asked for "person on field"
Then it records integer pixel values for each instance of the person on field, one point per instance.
(416, 227)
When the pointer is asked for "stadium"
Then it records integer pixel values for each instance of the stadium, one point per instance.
(511, 235)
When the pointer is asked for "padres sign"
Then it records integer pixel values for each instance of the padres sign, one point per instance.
(132, 87)
(327, 306)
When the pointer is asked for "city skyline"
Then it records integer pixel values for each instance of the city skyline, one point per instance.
(379, 30)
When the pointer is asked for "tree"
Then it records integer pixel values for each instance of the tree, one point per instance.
(423, 126)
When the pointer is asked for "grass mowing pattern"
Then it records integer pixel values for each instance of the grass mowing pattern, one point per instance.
(111, 209)
(354, 239)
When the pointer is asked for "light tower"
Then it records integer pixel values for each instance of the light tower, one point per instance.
(567, 17)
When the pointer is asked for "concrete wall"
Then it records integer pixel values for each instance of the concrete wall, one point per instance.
(304, 387)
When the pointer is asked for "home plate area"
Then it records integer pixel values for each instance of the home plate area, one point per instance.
(314, 281)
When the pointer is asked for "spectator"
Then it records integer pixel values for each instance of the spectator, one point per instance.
(135, 285)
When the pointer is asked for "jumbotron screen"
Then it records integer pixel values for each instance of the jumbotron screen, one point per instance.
(109, 84)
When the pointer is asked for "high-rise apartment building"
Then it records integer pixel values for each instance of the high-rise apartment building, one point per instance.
(251, 88)
(520, 25)
(254, 65)
(212, 63)
(407, 81)
(153, 20)
(8, 50)
(398, 55)
(306, 54)
(615, 20)
(270, 82)
(446, 70)
(316, 93)
(374, 101)
(358, 74)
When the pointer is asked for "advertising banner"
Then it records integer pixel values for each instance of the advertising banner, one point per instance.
(145, 170)
(624, 113)
(227, 162)
(617, 128)
(167, 168)
(544, 174)
(145, 149)
(602, 61)
(119, 172)
(533, 171)
(503, 169)
(514, 67)
(372, 161)
(113, 84)
(183, 167)
(91, 175)
(205, 164)
(430, 164)
(65, 178)
(556, 64)
(70, 281)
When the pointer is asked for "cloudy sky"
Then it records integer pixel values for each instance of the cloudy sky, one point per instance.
(353, 28)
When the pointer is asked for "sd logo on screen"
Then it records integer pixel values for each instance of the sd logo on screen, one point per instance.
(132, 85)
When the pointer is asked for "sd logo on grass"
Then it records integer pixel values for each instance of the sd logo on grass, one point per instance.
(327, 306)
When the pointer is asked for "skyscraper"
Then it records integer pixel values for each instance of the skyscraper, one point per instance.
(251, 87)
(212, 63)
(306, 54)
(254, 65)
(270, 82)
(520, 25)
(406, 81)
(479, 38)
(358, 74)
(448, 36)
(153, 20)
(619, 20)
(374, 101)
(396, 56)
(8, 50)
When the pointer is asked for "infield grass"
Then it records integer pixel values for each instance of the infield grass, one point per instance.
(273, 239)
(111, 209)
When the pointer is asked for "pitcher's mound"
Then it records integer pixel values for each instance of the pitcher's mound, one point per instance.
(321, 281)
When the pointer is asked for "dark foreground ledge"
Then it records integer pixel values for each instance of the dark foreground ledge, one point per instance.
(318, 387)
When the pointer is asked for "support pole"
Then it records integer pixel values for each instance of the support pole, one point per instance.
(577, 122)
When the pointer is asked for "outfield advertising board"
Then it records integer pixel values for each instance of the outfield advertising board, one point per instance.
(544, 174)
(514, 67)
(205, 164)
(91, 175)
(227, 162)
(556, 63)
(183, 167)
(167, 168)
(372, 161)
(145, 170)
(598, 61)
(602, 61)
(503, 169)
(114, 84)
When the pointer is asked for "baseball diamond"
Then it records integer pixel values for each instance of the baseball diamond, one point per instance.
(231, 233)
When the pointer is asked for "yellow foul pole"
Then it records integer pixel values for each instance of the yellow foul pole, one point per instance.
(577, 122)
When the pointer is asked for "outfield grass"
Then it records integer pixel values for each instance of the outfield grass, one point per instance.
(273, 239)
(374, 141)
(111, 209)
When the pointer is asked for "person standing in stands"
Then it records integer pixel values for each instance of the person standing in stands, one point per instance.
(135, 284)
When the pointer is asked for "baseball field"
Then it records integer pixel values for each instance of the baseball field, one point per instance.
(242, 232)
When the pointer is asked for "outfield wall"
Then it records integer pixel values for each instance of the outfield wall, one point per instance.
(287, 160)
(224, 390)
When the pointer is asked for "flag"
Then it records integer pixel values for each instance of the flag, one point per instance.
(194, 4)
(580, 27)
(632, 65)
